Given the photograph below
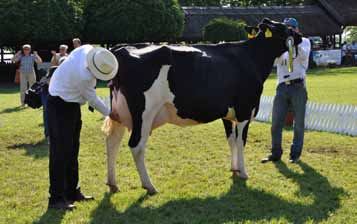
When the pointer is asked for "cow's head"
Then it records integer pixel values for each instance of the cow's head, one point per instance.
(281, 37)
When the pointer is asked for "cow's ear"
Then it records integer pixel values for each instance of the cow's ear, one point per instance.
(268, 33)
(266, 29)
(252, 31)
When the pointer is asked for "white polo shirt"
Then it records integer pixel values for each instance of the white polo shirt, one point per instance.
(73, 82)
(300, 63)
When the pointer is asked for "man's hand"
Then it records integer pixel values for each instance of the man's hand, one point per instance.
(18, 53)
(53, 53)
(114, 116)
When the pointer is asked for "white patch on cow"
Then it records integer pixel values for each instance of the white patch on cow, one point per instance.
(252, 117)
(204, 54)
(160, 97)
(185, 48)
(159, 92)
(137, 52)
(240, 145)
(233, 146)
(155, 97)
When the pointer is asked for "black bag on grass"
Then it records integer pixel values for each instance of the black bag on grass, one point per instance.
(33, 96)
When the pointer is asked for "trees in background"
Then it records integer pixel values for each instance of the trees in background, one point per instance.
(37, 21)
(200, 2)
(132, 21)
(103, 21)
(45, 21)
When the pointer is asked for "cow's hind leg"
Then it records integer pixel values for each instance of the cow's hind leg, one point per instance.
(241, 140)
(113, 139)
(231, 133)
(138, 139)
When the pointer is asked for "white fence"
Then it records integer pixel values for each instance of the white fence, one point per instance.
(336, 118)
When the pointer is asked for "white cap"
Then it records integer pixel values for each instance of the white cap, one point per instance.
(26, 46)
(102, 63)
(63, 46)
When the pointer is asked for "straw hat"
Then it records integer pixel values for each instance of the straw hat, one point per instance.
(102, 63)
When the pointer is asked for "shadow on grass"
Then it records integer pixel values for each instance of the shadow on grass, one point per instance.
(38, 150)
(51, 216)
(240, 203)
(11, 110)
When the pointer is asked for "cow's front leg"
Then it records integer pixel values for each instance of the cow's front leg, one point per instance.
(231, 133)
(137, 143)
(241, 140)
(113, 139)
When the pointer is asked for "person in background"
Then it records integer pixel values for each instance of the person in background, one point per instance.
(27, 69)
(291, 91)
(57, 56)
(72, 85)
(76, 42)
(343, 52)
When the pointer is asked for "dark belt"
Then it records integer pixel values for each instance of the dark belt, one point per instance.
(57, 99)
(294, 81)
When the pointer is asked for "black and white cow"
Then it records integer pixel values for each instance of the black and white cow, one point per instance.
(192, 85)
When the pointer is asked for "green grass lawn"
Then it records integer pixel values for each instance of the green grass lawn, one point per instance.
(190, 167)
(338, 85)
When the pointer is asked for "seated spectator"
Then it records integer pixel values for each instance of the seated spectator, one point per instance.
(57, 56)
(76, 42)
(27, 69)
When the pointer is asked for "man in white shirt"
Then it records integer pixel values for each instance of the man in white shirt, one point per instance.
(71, 86)
(290, 92)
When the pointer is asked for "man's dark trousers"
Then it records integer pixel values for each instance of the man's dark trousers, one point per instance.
(64, 121)
(296, 95)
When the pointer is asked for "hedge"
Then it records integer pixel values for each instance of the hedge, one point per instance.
(224, 29)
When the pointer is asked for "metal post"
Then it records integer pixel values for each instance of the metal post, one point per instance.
(2, 54)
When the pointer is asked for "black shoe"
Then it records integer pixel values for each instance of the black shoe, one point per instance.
(271, 158)
(61, 205)
(293, 159)
(78, 196)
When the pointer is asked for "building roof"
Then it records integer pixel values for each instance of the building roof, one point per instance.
(345, 11)
(313, 19)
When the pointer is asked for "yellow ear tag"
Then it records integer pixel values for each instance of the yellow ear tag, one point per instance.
(268, 33)
(252, 34)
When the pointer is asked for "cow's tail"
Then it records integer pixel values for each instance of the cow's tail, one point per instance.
(109, 126)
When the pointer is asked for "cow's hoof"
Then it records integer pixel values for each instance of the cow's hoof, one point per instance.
(151, 191)
(113, 188)
(243, 176)
(237, 173)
